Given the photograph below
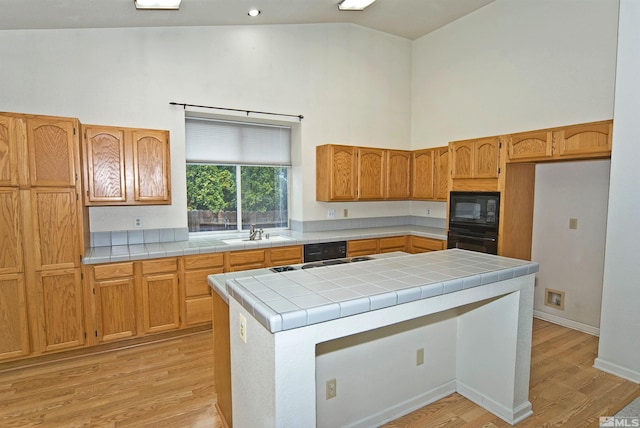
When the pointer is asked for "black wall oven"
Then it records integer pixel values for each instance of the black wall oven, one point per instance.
(474, 218)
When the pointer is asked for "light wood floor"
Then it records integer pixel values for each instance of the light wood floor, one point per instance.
(170, 384)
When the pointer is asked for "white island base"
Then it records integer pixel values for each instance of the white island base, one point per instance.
(468, 314)
(482, 338)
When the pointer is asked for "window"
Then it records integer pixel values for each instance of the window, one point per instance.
(237, 175)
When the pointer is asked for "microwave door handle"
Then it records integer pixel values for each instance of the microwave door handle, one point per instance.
(475, 237)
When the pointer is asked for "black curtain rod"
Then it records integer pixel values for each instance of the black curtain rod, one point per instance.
(184, 106)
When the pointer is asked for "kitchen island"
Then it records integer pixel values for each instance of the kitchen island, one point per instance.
(354, 324)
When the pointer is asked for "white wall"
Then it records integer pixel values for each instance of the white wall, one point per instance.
(352, 84)
(619, 346)
(514, 65)
(571, 261)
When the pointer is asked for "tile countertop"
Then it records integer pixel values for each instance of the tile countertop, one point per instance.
(293, 299)
(214, 243)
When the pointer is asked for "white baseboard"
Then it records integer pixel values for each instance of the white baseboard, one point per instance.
(617, 370)
(394, 412)
(510, 415)
(574, 325)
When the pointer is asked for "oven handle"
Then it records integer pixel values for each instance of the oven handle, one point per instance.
(455, 235)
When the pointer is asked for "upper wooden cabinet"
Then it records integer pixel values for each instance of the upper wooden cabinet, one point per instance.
(53, 153)
(530, 146)
(371, 173)
(124, 166)
(349, 173)
(441, 173)
(584, 141)
(398, 176)
(430, 174)
(335, 173)
(8, 152)
(475, 158)
(422, 170)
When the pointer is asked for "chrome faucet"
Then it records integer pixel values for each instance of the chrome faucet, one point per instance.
(253, 232)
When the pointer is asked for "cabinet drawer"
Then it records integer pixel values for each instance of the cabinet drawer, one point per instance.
(362, 247)
(288, 255)
(160, 265)
(113, 270)
(199, 310)
(421, 244)
(204, 261)
(250, 257)
(196, 282)
(394, 243)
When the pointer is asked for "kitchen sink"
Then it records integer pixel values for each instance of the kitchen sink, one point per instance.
(271, 238)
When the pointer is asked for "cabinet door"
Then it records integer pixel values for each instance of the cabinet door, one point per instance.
(52, 151)
(530, 146)
(441, 173)
(398, 177)
(462, 159)
(362, 247)
(393, 243)
(112, 286)
(485, 163)
(244, 260)
(420, 244)
(335, 173)
(371, 172)
(151, 159)
(160, 300)
(289, 255)
(55, 227)
(588, 140)
(14, 329)
(8, 153)
(104, 166)
(423, 174)
(10, 238)
(115, 309)
(60, 296)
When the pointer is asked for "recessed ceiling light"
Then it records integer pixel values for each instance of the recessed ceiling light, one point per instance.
(354, 4)
(157, 4)
(254, 12)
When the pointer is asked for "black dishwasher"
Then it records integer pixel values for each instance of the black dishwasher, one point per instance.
(325, 251)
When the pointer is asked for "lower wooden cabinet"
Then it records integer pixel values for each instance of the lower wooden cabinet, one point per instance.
(196, 286)
(392, 243)
(362, 247)
(60, 317)
(282, 256)
(160, 295)
(418, 244)
(14, 334)
(245, 260)
(113, 287)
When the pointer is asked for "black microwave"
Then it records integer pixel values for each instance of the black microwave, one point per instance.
(474, 209)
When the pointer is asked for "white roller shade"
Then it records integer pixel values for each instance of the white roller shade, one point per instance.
(226, 142)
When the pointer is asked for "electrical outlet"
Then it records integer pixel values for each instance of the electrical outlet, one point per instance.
(137, 222)
(420, 357)
(331, 388)
(346, 213)
(331, 214)
(243, 328)
(428, 211)
(573, 223)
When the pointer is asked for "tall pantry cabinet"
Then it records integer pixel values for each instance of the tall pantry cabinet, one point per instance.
(42, 234)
